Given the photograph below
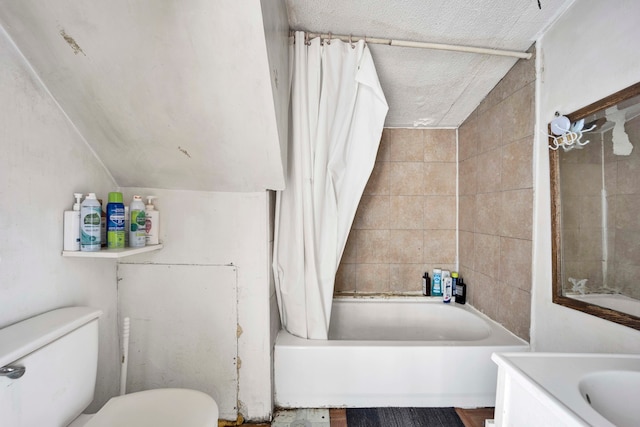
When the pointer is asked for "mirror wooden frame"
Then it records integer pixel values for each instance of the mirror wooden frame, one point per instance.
(556, 210)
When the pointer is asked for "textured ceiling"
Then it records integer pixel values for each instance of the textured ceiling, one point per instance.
(432, 88)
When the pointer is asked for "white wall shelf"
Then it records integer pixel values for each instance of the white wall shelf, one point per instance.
(113, 253)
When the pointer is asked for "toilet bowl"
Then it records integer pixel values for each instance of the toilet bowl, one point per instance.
(169, 407)
(48, 367)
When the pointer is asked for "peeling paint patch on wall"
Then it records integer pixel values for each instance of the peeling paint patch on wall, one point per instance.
(71, 42)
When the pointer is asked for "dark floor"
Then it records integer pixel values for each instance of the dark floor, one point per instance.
(469, 417)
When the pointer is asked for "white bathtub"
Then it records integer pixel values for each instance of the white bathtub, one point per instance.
(402, 351)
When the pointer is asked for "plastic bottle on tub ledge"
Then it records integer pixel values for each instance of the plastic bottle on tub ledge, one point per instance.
(447, 285)
(436, 283)
(454, 283)
(137, 223)
(461, 292)
(426, 284)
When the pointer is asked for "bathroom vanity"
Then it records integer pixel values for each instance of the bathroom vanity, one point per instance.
(560, 389)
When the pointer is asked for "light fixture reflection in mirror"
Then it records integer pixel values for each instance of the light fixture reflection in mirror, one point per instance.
(596, 208)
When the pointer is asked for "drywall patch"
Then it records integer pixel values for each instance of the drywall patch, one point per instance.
(71, 42)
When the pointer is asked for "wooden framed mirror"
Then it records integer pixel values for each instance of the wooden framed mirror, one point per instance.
(595, 208)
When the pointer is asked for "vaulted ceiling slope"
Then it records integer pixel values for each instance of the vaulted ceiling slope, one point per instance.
(169, 94)
(433, 88)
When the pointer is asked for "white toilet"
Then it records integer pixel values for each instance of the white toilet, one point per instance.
(59, 353)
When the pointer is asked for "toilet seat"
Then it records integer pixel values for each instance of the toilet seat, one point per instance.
(168, 407)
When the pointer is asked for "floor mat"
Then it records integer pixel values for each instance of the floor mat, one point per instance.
(403, 417)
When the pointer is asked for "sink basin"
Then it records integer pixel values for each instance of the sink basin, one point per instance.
(567, 389)
(614, 395)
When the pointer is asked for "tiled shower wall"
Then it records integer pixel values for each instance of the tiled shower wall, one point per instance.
(496, 200)
(406, 220)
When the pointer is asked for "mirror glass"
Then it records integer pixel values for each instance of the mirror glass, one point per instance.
(595, 186)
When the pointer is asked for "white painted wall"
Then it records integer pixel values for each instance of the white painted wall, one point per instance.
(183, 329)
(221, 229)
(276, 31)
(589, 53)
(170, 94)
(44, 161)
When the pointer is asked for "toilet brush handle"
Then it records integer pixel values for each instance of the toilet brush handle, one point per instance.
(125, 356)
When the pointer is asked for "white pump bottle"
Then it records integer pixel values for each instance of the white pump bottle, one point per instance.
(152, 227)
(71, 238)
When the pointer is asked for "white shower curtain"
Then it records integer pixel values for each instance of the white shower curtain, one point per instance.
(337, 114)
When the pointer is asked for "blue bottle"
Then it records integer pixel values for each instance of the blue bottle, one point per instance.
(115, 221)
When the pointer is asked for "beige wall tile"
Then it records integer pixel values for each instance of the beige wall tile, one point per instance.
(467, 139)
(517, 214)
(405, 278)
(496, 196)
(466, 249)
(379, 181)
(440, 179)
(383, 148)
(487, 255)
(406, 179)
(345, 278)
(517, 165)
(515, 263)
(372, 246)
(522, 73)
(349, 253)
(440, 145)
(372, 278)
(406, 145)
(439, 213)
(468, 213)
(440, 246)
(405, 246)
(483, 293)
(514, 310)
(489, 171)
(519, 119)
(490, 129)
(488, 213)
(467, 177)
(406, 212)
(372, 213)
(388, 231)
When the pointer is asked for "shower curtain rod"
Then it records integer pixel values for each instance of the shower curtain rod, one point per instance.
(423, 45)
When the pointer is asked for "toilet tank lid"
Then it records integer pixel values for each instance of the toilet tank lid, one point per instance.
(26, 336)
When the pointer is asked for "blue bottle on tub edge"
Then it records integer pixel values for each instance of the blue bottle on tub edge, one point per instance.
(436, 283)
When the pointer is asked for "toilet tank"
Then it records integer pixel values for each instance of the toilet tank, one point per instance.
(59, 350)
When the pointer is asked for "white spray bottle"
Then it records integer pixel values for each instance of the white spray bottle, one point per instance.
(152, 219)
(71, 239)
